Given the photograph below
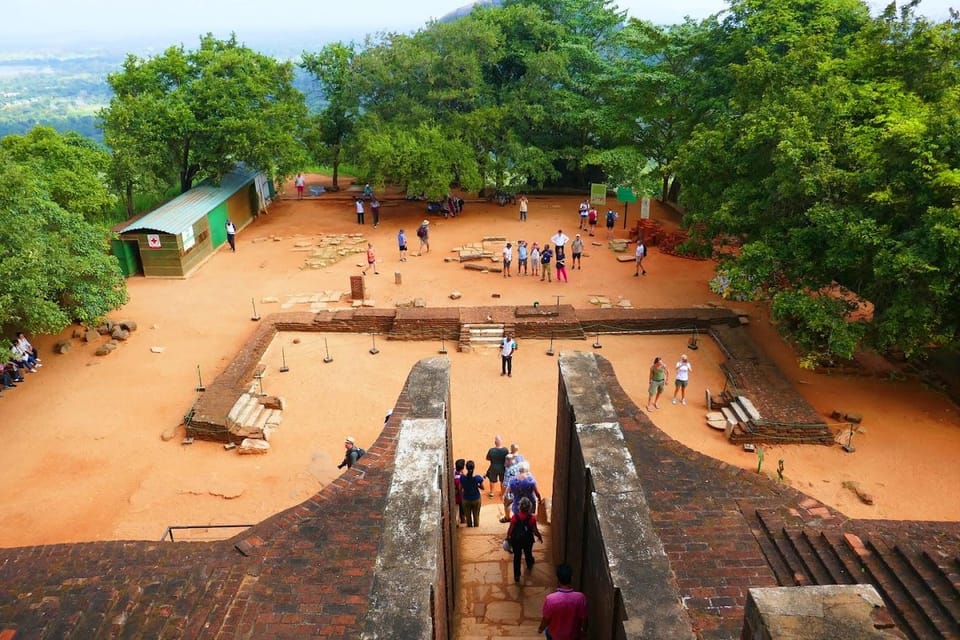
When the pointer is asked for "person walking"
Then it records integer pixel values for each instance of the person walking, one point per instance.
(524, 203)
(371, 260)
(639, 254)
(524, 485)
(545, 257)
(423, 233)
(497, 456)
(375, 209)
(682, 379)
(577, 248)
(472, 494)
(507, 259)
(402, 245)
(299, 183)
(523, 529)
(458, 473)
(507, 347)
(611, 219)
(658, 379)
(564, 613)
(232, 235)
(359, 204)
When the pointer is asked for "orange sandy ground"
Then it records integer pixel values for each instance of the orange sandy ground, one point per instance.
(83, 457)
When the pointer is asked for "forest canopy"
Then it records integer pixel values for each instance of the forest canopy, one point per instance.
(812, 146)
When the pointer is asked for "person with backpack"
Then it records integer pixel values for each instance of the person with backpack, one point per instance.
(472, 485)
(545, 257)
(611, 219)
(639, 254)
(352, 454)
(522, 531)
(423, 232)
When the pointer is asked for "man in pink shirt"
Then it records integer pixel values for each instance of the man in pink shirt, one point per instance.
(564, 610)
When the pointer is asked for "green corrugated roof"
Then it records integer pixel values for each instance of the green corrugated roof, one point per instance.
(182, 212)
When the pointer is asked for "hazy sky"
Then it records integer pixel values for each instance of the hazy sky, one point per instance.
(94, 21)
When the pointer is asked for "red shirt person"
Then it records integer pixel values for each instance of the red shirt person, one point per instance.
(564, 610)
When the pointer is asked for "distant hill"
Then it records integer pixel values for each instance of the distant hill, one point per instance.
(466, 9)
(63, 84)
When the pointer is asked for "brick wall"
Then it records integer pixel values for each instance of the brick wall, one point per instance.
(310, 570)
(602, 525)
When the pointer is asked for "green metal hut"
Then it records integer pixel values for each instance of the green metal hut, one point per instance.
(176, 238)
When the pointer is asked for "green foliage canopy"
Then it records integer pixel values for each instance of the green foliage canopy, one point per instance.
(54, 265)
(72, 168)
(189, 114)
(832, 150)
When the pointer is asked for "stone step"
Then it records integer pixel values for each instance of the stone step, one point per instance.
(816, 568)
(781, 571)
(259, 419)
(845, 555)
(776, 533)
(902, 607)
(251, 409)
(748, 407)
(742, 415)
(729, 414)
(915, 589)
(238, 407)
(274, 417)
(947, 564)
(837, 568)
(486, 332)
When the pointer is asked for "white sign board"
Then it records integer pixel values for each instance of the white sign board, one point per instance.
(645, 208)
(153, 240)
(188, 239)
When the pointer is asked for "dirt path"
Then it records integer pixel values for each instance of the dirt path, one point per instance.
(83, 457)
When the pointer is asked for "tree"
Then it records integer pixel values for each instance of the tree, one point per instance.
(334, 69)
(832, 152)
(55, 267)
(652, 101)
(513, 86)
(72, 168)
(193, 114)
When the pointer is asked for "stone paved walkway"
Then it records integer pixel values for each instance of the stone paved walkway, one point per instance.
(490, 605)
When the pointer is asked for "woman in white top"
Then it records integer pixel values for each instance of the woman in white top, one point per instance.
(683, 377)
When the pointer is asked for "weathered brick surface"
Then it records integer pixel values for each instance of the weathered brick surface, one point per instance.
(305, 572)
(706, 515)
(308, 571)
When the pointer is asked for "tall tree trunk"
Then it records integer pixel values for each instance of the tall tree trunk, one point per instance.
(665, 190)
(128, 196)
(336, 167)
(186, 176)
(674, 193)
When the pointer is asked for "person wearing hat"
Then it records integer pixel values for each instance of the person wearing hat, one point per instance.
(682, 378)
(577, 248)
(352, 453)
(423, 232)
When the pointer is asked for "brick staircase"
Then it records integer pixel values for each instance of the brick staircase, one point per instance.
(920, 586)
(745, 424)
